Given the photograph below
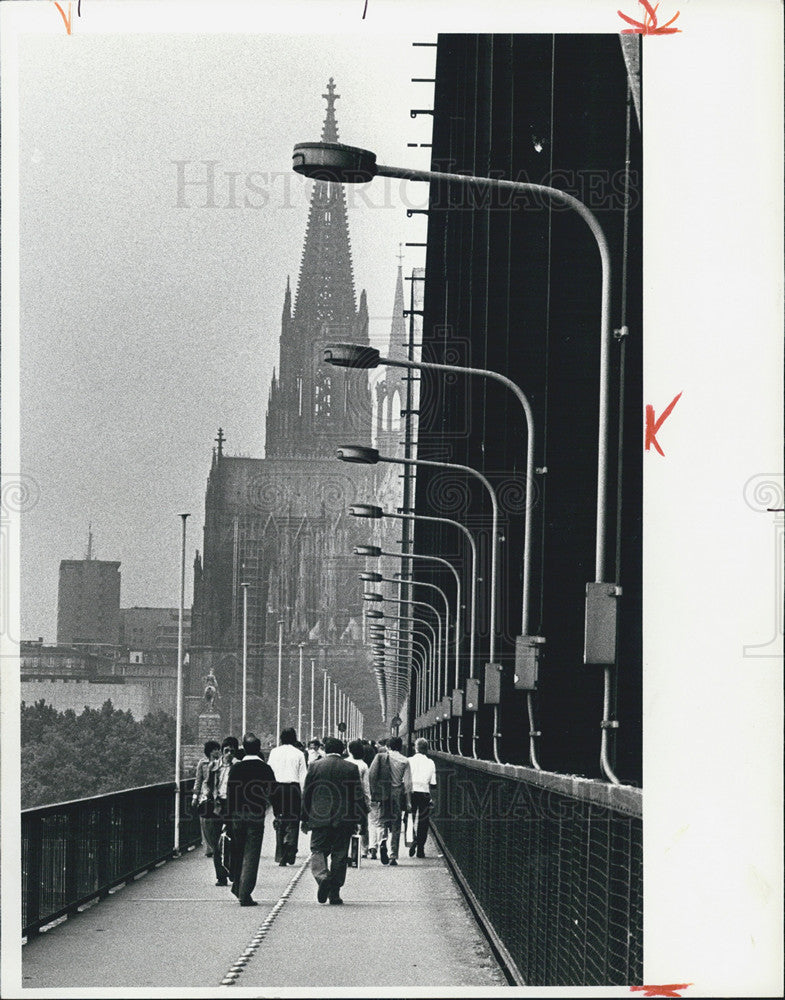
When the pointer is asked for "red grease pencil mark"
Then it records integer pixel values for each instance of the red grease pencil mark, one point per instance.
(648, 26)
(652, 426)
(66, 20)
(662, 991)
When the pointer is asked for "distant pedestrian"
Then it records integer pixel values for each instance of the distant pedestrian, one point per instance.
(200, 799)
(369, 752)
(379, 784)
(356, 757)
(251, 787)
(396, 801)
(218, 790)
(290, 769)
(315, 751)
(423, 772)
(333, 806)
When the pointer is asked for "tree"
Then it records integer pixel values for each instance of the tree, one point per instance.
(68, 756)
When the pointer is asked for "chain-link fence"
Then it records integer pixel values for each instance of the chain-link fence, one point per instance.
(555, 864)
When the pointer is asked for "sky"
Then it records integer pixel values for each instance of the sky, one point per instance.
(160, 219)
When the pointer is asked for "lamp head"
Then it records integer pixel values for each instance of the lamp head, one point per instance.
(351, 356)
(358, 454)
(367, 550)
(366, 510)
(335, 162)
(370, 596)
(373, 613)
(371, 577)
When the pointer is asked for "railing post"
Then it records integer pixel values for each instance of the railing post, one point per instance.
(32, 886)
(72, 872)
(103, 848)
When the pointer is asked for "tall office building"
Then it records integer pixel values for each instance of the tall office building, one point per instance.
(88, 602)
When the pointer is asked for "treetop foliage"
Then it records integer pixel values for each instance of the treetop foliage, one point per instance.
(68, 756)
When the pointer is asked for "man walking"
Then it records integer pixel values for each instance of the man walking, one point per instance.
(201, 799)
(251, 787)
(423, 780)
(333, 805)
(290, 769)
(391, 785)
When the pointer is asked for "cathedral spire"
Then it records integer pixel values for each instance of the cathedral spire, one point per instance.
(330, 127)
(312, 406)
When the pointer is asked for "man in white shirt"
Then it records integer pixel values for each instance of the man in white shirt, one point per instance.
(289, 766)
(423, 780)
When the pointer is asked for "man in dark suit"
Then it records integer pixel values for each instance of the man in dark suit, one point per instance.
(333, 805)
(251, 787)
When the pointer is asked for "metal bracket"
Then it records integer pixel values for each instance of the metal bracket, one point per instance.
(609, 724)
(621, 333)
(541, 470)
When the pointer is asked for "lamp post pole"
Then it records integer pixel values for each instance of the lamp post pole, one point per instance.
(245, 657)
(280, 670)
(300, 693)
(178, 729)
(313, 681)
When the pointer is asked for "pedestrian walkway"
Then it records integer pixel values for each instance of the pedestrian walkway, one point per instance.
(407, 926)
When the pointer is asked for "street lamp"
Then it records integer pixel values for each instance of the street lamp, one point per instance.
(178, 729)
(375, 512)
(376, 551)
(527, 647)
(442, 651)
(280, 668)
(300, 646)
(378, 578)
(373, 613)
(343, 164)
(313, 727)
(245, 656)
(492, 695)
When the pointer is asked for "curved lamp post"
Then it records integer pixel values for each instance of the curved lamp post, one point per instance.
(370, 456)
(441, 647)
(375, 512)
(432, 639)
(341, 164)
(376, 551)
(378, 578)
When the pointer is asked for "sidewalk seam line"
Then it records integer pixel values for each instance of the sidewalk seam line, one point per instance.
(237, 967)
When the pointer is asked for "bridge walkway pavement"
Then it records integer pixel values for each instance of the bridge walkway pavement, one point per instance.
(407, 926)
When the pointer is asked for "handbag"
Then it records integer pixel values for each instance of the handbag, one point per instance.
(409, 841)
(355, 851)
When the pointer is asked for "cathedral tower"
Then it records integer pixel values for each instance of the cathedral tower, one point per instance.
(313, 407)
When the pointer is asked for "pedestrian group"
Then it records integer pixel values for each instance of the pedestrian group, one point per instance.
(366, 791)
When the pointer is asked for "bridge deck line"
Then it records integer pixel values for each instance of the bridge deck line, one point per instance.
(404, 926)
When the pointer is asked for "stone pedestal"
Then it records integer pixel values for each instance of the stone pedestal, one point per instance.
(210, 727)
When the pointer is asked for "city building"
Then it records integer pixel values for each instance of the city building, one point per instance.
(150, 635)
(88, 601)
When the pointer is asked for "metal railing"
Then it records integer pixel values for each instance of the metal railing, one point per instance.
(73, 852)
(552, 865)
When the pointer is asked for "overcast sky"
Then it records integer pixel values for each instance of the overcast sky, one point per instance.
(150, 318)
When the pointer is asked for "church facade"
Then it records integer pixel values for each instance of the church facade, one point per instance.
(278, 536)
